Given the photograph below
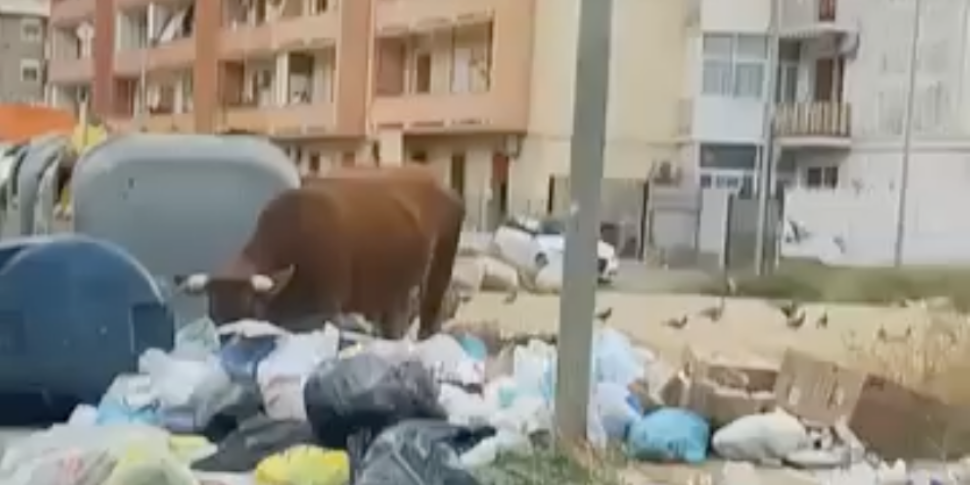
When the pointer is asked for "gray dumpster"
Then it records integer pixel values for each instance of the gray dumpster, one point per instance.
(179, 203)
(20, 193)
(46, 201)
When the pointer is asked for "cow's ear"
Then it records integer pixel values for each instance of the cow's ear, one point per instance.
(280, 279)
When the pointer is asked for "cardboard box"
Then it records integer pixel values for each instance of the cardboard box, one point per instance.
(721, 389)
(891, 420)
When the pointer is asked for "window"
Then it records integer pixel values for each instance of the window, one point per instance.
(737, 180)
(734, 65)
(320, 6)
(422, 72)
(419, 156)
(31, 30)
(787, 82)
(822, 177)
(30, 71)
(315, 163)
(457, 173)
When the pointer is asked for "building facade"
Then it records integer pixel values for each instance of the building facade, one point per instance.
(480, 90)
(22, 34)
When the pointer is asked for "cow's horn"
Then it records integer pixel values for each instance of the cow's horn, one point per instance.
(197, 282)
(261, 283)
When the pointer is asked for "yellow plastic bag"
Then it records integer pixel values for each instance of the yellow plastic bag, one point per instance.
(304, 465)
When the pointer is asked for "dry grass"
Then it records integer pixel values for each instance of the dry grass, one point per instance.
(549, 465)
(810, 282)
(933, 356)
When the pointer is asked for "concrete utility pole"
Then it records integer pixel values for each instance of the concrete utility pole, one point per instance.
(901, 200)
(576, 304)
(766, 155)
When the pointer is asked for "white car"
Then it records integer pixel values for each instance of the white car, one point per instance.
(534, 243)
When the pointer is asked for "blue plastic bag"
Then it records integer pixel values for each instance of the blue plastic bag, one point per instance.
(615, 359)
(614, 410)
(474, 347)
(241, 356)
(669, 434)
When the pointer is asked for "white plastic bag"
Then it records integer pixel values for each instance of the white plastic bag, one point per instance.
(760, 437)
(195, 390)
(499, 276)
(616, 359)
(197, 339)
(613, 409)
(449, 361)
(549, 278)
(532, 367)
(282, 374)
(82, 455)
(464, 408)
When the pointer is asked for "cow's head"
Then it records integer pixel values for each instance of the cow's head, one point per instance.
(233, 298)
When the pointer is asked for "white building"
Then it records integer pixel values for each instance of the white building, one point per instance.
(841, 103)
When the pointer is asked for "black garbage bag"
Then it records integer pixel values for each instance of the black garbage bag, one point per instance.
(420, 452)
(254, 440)
(351, 401)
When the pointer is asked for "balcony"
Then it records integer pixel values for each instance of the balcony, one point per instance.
(404, 17)
(70, 71)
(71, 12)
(308, 120)
(143, 4)
(155, 123)
(814, 124)
(305, 32)
(168, 56)
(446, 113)
(285, 34)
(811, 18)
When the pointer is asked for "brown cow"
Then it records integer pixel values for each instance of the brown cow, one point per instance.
(356, 241)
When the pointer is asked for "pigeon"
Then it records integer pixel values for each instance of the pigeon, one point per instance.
(511, 297)
(789, 308)
(677, 323)
(823, 320)
(604, 315)
(795, 322)
(884, 336)
(714, 313)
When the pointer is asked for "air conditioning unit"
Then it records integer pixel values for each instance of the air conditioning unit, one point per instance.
(849, 45)
(666, 174)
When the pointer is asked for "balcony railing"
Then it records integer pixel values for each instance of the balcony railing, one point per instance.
(813, 119)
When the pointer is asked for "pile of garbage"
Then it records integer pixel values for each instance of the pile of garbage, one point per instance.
(331, 407)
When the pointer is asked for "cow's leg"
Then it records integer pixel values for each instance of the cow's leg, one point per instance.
(396, 320)
(439, 275)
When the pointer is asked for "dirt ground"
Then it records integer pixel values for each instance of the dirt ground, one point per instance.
(749, 328)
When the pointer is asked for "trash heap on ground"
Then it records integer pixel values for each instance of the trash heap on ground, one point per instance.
(250, 401)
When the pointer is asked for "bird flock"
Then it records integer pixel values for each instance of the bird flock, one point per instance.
(794, 314)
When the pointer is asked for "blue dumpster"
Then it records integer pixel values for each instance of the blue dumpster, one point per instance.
(74, 313)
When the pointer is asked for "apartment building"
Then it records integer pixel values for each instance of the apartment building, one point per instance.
(481, 90)
(725, 106)
(22, 33)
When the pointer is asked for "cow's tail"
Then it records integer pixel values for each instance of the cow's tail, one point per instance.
(439, 273)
